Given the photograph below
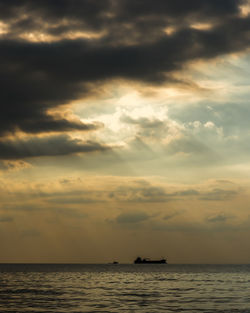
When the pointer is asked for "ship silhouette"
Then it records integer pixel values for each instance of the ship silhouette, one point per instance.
(139, 260)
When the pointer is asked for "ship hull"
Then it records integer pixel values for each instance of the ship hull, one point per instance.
(145, 261)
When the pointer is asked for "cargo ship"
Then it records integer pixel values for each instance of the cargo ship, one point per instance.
(139, 260)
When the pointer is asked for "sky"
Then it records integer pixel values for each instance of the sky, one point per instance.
(125, 131)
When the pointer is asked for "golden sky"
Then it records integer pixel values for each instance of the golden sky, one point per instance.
(125, 131)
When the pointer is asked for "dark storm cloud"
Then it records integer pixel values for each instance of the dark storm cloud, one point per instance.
(32, 82)
(89, 11)
(49, 124)
(47, 146)
(38, 77)
(179, 7)
(97, 15)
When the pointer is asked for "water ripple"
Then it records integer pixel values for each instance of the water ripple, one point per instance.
(124, 288)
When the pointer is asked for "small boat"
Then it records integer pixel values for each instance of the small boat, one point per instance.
(139, 260)
(115, 262)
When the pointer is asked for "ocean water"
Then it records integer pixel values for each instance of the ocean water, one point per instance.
(124, 288)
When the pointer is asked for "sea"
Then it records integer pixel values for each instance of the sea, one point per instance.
(148, 288)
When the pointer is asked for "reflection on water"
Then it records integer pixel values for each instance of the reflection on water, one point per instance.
(124, 288)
